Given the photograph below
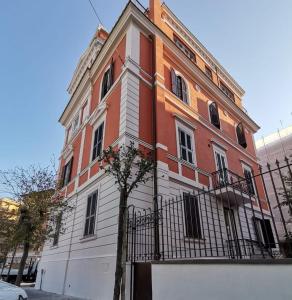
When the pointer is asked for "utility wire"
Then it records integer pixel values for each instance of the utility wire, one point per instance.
(95, 12)
(99, 20)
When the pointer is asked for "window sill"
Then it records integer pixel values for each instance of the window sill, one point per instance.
(88, 238)
(187, 164)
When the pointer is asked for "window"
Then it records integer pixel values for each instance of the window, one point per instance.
(184, 49)
(208, 72)
(75, 124)
(226, 91)
(67, 172)
(97, 142)
(90, 215)
(249, 180)
(241, 135)
(57, 229)
(264, 232)
(179, 87)
(221, 167)
(107, 80)
(192, 216)
(214, 114)
(185, 146)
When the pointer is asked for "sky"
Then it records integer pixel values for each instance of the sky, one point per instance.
(41, 42)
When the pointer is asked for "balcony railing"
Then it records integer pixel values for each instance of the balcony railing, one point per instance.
(225, 177)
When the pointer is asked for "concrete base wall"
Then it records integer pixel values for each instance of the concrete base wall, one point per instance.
(90, 278)
(209, 281)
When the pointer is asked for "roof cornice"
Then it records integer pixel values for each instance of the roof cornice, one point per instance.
(201, 50)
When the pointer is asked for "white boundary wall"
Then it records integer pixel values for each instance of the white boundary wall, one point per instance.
(222, 281)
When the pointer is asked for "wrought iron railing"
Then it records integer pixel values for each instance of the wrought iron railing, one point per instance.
(204, 223)
(226, 177)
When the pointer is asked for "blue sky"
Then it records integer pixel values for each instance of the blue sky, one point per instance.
(41, 42)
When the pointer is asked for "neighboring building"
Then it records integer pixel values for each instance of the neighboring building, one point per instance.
(9, 207)
(152, 82)
(10, 261)
(276, 146)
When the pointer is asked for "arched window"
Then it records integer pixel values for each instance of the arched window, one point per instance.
(214, 114)
(241, 135)
(107, 81)
(178, 86)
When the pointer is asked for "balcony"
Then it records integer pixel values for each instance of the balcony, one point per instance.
(231, 187)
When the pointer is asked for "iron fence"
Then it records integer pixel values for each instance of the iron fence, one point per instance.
(231, 220)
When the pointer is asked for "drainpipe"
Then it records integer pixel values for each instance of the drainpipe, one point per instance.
(154, 142)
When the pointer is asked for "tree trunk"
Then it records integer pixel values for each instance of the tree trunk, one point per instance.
(22, 263)
(120, 239)
(4, 262)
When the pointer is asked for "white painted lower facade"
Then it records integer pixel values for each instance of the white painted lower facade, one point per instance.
(209, 281)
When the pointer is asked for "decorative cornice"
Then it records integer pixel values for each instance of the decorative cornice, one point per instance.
(184, 120)
(176, 24)
(85, 62)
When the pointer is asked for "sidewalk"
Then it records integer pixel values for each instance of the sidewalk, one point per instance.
(34, 294)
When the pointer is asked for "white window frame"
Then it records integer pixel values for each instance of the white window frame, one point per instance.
(177, 73)
(89, 237)
(94, 128)
(190, 132)
(222, 152)
(248, 168)
(101, 99)
(76, 120)
(184, 218)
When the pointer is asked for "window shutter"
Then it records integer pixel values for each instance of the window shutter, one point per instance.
(184, 91)
(173, 82)
(63, 176)
(111, 75)
(241, 135)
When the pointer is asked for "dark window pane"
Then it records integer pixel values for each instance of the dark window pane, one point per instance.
(93, 205)
(184, 154)
(192, 216)
(88, 206)
(190, 156)
(86, 227)
(182, 138)
(97, 145)
(91, 226)
(189, 144)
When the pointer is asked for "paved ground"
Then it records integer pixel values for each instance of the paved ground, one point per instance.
(40, 295)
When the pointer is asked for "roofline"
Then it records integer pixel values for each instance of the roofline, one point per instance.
(215, 61)
(88, 69)
(130, 3)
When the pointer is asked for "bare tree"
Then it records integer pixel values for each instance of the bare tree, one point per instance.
(38, 191)
(129, 166)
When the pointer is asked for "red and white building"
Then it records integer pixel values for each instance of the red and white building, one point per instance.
(152, 82)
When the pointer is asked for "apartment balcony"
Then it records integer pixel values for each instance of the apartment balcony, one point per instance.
(232, 188)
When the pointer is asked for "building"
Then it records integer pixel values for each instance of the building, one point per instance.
(10, 261)
(276, 146)
(152, 82)
(9, 207)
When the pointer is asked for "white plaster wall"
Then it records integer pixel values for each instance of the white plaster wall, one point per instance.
(221, 281)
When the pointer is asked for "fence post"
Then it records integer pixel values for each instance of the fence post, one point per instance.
(157, 254)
